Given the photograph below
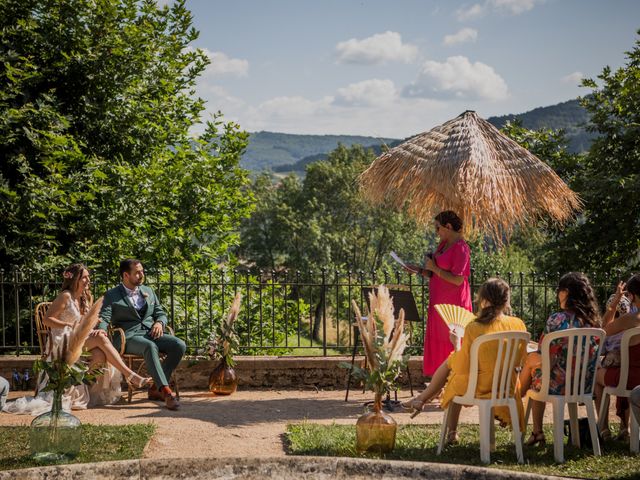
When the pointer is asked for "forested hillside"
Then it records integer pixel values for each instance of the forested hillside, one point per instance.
(569, 116)
(283, 152)
(270, 149)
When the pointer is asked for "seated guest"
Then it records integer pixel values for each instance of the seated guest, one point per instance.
(609, 374)
(579, 309)
(4, 391)
(136, 309)
(453, 374)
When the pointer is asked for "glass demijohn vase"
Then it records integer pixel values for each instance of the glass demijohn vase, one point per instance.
(56, 435)
(376, 431)
(223, 379)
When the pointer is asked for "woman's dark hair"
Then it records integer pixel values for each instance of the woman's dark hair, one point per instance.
(70, 278)
(497, 294)
(450, 217)
(633, 285)
(126, 264)
(581, 299)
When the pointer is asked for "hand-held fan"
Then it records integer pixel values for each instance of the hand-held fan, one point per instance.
(455, 317)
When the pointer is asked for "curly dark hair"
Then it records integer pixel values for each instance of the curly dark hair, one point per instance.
(581, 299)
(450, 217)
(497, 293)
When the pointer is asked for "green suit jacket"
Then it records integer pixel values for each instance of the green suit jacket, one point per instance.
(118, 311)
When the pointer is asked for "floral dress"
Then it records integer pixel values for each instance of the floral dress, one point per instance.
(558, 351)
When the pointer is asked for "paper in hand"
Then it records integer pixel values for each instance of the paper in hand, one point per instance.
(395, 256)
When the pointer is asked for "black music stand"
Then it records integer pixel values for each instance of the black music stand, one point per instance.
(402, 299)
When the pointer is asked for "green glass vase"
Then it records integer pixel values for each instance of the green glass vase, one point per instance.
(55, 436)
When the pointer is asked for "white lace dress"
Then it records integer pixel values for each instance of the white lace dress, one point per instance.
(106, 390)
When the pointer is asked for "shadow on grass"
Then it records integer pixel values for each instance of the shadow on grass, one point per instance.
(419, 443)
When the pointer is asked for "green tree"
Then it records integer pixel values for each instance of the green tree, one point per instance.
(96, 107)
(323, 221)
(606, 237)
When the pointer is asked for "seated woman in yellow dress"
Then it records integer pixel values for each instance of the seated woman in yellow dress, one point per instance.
(453, 375)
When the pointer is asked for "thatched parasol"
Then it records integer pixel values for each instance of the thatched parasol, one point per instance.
(468, 166)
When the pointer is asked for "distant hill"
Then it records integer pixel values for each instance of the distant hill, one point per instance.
(569, 116)
(270, 149)
(283, 152)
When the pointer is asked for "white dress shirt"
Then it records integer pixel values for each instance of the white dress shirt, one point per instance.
(136, 297)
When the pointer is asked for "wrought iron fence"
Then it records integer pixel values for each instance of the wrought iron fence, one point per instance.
(283, 312)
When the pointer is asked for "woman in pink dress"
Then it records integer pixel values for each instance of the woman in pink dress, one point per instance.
(448, 270)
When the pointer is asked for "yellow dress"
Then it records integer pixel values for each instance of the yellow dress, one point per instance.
(459, 363)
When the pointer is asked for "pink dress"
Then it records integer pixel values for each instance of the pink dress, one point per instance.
(456, 259)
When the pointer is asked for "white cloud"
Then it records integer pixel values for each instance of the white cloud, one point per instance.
(463, 36)
(508, 7)
(222, 64)
(367, 93)
(458, 78)
(472, 12)
(573, 78)
(379, 48)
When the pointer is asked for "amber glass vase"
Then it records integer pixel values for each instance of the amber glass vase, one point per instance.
(376, 431)
(223, 380)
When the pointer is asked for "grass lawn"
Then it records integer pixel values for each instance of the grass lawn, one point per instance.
(419, 443)
(99, 443)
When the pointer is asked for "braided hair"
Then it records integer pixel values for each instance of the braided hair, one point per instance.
(496, 294)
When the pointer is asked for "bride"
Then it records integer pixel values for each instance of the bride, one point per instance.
(62, 317)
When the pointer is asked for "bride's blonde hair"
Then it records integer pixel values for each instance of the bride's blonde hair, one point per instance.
(70, 278)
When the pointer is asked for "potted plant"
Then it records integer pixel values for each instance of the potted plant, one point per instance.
(222, 344)
(56, 435)
(384, 342)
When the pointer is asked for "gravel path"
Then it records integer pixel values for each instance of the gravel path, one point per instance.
(248, 423)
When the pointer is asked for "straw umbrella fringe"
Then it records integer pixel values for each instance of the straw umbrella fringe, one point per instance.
(468, 166)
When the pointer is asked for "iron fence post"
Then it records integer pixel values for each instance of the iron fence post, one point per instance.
(324, 311)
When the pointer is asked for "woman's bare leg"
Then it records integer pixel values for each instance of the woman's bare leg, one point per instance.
(437, 383)
(103, 344)
(598, 391)
(531, 363)
(537, 414)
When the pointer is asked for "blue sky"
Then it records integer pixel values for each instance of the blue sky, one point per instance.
(396, 68)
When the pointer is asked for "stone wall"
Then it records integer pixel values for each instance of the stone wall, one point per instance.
(256, 372)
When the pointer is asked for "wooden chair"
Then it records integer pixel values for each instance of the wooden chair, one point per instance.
(511, 345)
(42, 330)
(577, 389)
(130, 359)
(621, 390)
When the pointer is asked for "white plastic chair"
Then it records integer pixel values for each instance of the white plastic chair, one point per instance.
(621, 390)
(510, 346)
(577, 390)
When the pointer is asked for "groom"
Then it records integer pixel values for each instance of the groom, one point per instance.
(135, 308)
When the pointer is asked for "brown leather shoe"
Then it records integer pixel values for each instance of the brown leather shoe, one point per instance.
(155, 394)
(172, 402)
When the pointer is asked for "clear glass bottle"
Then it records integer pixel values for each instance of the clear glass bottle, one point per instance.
(56, 435)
